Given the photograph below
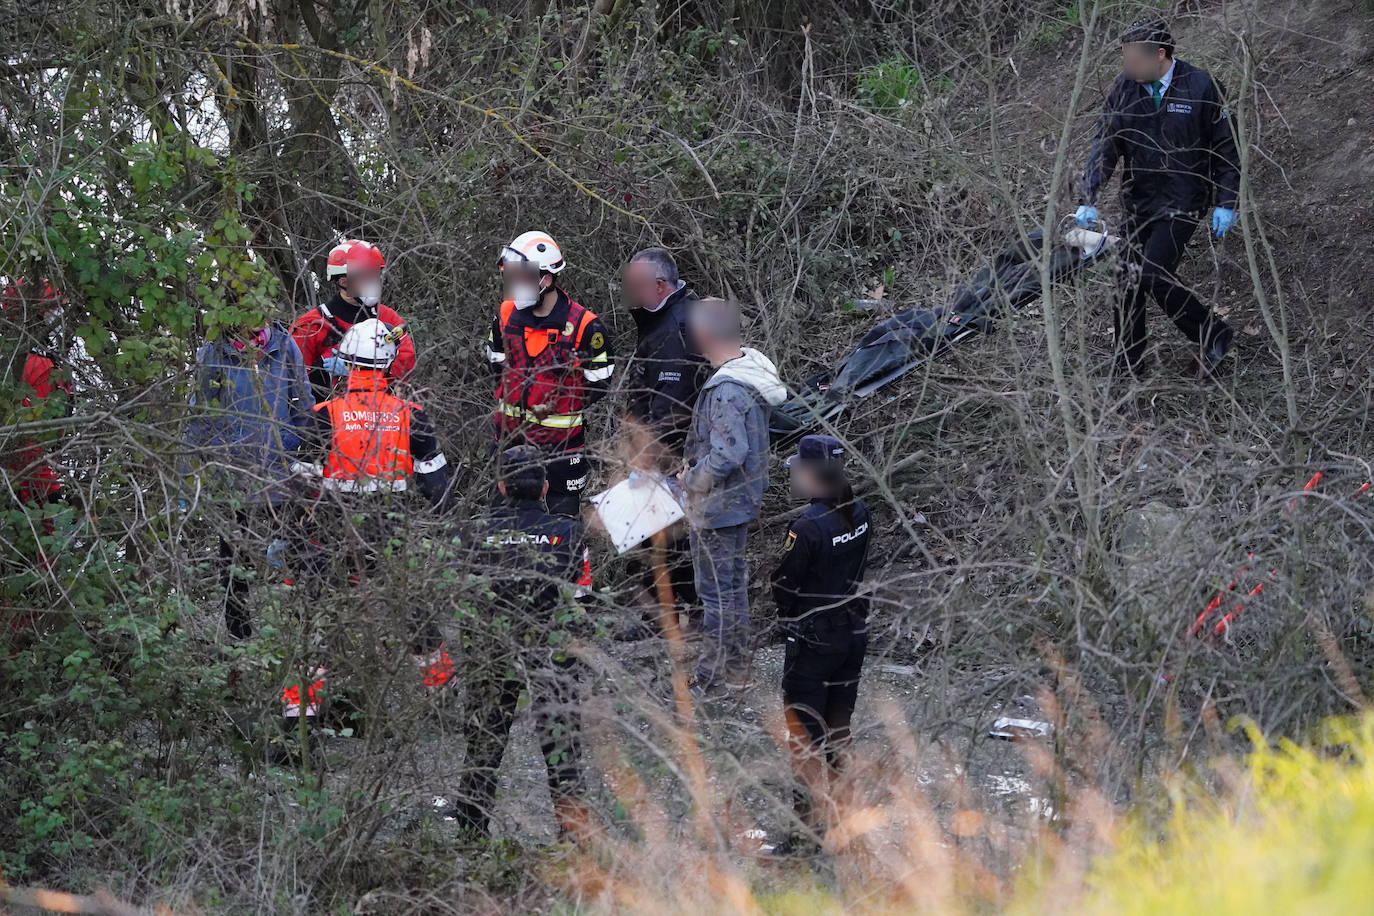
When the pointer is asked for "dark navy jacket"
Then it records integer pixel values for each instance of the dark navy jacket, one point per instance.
(1179, 158)
(667, 371)
(823, 563)
(530, 555)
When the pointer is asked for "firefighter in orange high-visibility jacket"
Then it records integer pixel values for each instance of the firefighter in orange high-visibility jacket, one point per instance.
(373, 444)
(554, 359)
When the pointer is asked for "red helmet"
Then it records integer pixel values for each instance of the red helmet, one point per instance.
(338, 257)
(49, 300)
(363, 256)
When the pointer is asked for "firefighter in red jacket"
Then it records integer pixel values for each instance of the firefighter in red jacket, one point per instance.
(554, 360)
(373, 444)
(357, 267)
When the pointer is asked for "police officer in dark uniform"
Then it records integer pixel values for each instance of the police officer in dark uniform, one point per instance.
(530, 559)
(815, 586)
(1166, 122)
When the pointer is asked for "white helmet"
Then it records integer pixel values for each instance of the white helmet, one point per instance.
(370, 344)
(534, 248)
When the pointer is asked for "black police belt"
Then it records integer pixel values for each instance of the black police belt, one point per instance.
(850, 610)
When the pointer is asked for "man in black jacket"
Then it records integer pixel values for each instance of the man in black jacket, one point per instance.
(1167, 122)
(665, 375)
(666, 371)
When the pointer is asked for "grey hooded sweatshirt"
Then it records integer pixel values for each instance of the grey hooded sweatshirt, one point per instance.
(727, 445)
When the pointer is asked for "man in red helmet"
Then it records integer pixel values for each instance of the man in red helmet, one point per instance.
(356, 266)
(554, 359)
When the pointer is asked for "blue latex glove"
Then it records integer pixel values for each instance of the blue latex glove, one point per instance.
(182, 505)
(1086, 216)
(335, 365)
(674, 486)
(1223, 218)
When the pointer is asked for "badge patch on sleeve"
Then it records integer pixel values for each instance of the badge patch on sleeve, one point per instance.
(791, 541)
(598, 341)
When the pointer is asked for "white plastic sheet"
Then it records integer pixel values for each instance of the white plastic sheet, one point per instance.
(634, 510)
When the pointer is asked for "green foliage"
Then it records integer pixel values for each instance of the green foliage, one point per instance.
(121, 749)
(1294, 835)
(1053, 28)
(894, 85)
(147, 280)
(73, 774)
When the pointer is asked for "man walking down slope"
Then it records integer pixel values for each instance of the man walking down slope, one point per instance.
(1167, 123)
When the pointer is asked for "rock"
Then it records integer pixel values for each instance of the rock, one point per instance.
(1350, 123)
(373, 903)
(1143, 529)
(1148, 545)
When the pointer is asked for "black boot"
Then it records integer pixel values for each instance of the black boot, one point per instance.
(1210, 361)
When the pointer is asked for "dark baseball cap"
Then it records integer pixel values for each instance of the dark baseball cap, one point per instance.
(825, 451)
(1150, 32)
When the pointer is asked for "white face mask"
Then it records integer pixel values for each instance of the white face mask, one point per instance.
(369, 294)
(526, 295)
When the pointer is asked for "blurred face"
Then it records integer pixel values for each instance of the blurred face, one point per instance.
(805, 482)
(1144, 63)
(522, 284)
(515, 276)
(644, 289)
(358, 278)
(248, 336)
(701, 335)
(363, 286)
(714, 327)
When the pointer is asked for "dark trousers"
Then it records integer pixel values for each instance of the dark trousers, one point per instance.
(236, 617)
(681, 575)
(243, 555)
(567, 476)
(1154, 248)
(494, 684)
(338, 547)
(820, 682)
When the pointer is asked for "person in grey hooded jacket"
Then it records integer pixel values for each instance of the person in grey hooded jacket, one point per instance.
(725, 475)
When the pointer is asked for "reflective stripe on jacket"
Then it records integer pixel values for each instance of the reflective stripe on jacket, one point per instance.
(542, 366)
